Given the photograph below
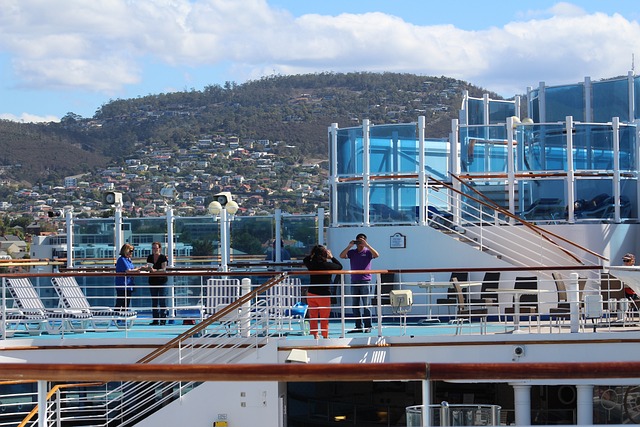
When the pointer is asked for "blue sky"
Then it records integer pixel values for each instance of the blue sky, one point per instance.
(76, 55)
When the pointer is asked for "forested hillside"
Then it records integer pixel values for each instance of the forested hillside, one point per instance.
(294, 109)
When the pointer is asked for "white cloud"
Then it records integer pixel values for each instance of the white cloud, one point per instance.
(29, 118)
(104, 45)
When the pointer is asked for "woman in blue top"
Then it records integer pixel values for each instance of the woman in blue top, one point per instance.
(124, 284)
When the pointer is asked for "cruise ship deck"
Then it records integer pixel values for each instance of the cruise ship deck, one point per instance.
(499, 260)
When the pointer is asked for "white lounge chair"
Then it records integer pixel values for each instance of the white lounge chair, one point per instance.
(73, 298)
(26, 299)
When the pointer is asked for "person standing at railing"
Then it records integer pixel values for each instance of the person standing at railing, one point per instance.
(360, 259)
(124, 284)
(319, 293)
(271, 252)
(157, 261)
(629, 260)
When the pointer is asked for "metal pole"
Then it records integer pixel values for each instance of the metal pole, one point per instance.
(42, 403)
(426, 401)
(69, 221)
(277, 249)
(224, 241)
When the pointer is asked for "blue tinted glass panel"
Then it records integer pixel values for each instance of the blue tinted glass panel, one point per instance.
(475, 111)
(563, 101)
(593, 199)
(483, 149)
(500, 110)
(628, 147)
(350, 151)
(543, 147)
(628, 191)
(437, 158)
(350, 199)
(393, 202)
(610, 99)
(543, 200)
(593, 147)
(534, 106)
(394, 149)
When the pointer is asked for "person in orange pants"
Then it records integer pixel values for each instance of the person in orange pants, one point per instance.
(319, 293)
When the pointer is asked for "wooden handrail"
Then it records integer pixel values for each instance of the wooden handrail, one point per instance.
(322, 372)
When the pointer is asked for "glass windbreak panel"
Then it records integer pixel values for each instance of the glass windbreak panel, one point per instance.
(251, 236)
(393, 202)
(93, 239)
(593, 199)
(593, 147)
(483, 148)
(300, 233)
(437, 158)
(349, 151)
(543, 200)
(610, 99)
(563, 101)
(628, 147)
(394, 149)
(500, 110)
(628, 197)
(541, 147)
(475, 111)
(142, 232)
(534, 105)
(195, 237)
(350, 199)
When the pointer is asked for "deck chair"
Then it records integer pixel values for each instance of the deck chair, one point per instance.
(612, 291)
(528, 303)
(219, 294)
(283, 306)
(71, 297)
(491, 280)
(26, 299)
(466, 312)
(562, 311)
(452, 299)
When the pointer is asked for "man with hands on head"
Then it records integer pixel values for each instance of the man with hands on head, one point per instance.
(360, 259)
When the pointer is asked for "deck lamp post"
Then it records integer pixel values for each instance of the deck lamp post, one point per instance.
(221, 207)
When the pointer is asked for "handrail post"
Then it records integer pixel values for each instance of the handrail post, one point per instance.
(245, 317)
(574, 302)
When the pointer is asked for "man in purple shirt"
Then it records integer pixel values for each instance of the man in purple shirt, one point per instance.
(360, 259)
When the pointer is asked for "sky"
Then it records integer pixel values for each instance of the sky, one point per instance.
(73, 56)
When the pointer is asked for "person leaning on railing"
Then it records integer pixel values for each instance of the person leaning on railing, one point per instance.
(319, 293)
(157, 261)
(124, 284)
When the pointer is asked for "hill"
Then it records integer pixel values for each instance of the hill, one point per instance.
(294, 109)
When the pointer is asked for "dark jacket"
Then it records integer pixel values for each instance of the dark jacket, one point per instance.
(321, 283)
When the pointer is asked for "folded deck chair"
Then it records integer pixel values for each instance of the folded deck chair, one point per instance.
(26, 299)
(73, 298)
(220, 293)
